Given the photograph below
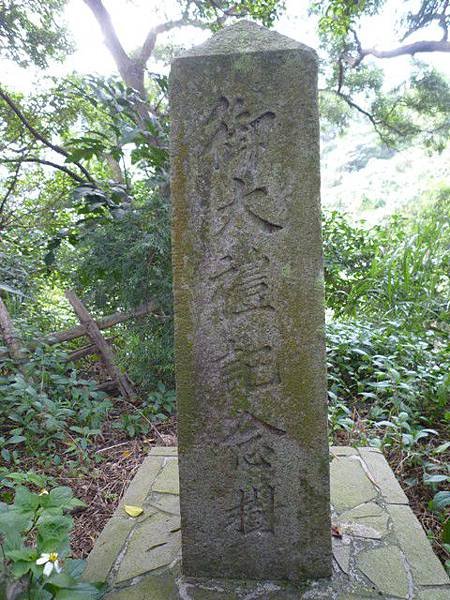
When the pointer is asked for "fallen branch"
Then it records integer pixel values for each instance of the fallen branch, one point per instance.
(105, 323)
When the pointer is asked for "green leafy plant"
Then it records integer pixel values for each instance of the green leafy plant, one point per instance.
(35, 549)
(48, 409)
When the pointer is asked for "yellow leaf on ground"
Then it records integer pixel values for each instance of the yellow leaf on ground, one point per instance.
(133, 511)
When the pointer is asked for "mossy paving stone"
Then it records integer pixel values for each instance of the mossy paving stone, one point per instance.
(154, 544)
(152, 587)
(426, 568)
(383, 475)
(435, 594)
(359, 596)
(107, 548)
(341, 553)
(367, 520)
(342, 451)
(140, 487)
(237, 590)
(164, 451)
(350, 485)
(167, 480)
(169, 503)
(384, 567)
(163, 586)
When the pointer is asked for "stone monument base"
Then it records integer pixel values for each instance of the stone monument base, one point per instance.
(380, 550)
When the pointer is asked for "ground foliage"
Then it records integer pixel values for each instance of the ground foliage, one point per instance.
(387, 337)
(85, 204)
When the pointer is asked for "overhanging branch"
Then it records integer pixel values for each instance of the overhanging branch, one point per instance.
(38, 136)
(411, 49)
(49, 163)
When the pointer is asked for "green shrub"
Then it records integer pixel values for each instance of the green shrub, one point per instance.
(47, 406)
(35, 548)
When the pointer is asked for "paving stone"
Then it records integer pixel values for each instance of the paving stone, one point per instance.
(238, 590)
(341, 553)
(385, 568)
(167, 481)
(359, 595)
(381, 565)
(107, 548)
(152, 587)
(383, 475)
(350, 485)
(142, 482)
(367, 520)
(343, 451)
(154, 543)
(164, 451)
(434, 593)
(169, 503)
(427, 570)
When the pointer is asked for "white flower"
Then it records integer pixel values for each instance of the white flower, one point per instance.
(50, 562)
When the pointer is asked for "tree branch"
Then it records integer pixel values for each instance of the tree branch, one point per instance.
(37, 135)
(411, 49)
(11, 187)
(150, 41)
(375, 122)
(422, 46)
(35, 159)
(112, 41)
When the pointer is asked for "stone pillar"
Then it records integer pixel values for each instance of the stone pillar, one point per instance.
(249, 316)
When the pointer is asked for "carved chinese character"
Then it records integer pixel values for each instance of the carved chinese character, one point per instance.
(232, 131)
(254, 506)
(254, 510)
(246, 369)
(244, 206)
(244, 287)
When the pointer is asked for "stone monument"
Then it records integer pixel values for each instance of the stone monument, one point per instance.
(249, 315)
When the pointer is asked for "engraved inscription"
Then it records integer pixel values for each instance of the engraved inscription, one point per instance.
(254, 509)
(244, 208)
(245, 369)
(232, 131)
(245, 287)
(247, 205)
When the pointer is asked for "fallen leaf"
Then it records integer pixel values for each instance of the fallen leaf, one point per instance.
(336, 531)
(126, 453)
(133, 511)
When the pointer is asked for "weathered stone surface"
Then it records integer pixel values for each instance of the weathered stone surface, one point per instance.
(107, 548)
(360, 595)
(341, 553)
(169, 503)
(154, 543)
(165, 583)
(342, 451)
(141, 485)
(367, 520)
(382, 473)
(433, 593)
(164, 451)
(152, 587)
(426, 568)
(350, 485)
(384, 566)
(250, 353)
(167, 481)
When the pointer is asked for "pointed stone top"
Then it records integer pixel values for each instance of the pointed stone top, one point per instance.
(245, 37)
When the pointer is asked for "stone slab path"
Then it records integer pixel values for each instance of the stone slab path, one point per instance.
(383, 551)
